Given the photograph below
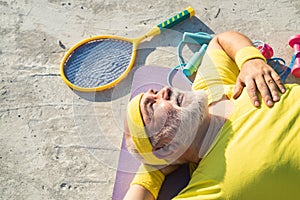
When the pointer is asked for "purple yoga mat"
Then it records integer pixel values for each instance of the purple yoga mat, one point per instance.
(145, 78)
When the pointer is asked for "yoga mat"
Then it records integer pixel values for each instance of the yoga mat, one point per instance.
(145, 78)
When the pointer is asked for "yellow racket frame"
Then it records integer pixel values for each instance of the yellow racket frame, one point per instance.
(189, 12)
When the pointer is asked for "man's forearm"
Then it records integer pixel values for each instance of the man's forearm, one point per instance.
(137, 192)
(231, 42)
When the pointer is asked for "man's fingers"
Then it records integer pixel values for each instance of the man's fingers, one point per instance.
(274, 84)
(251, 89)
(239, 86)
(265, 86)
(273, 89)
(278, 82)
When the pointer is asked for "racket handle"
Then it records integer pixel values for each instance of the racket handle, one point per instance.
(195, 62)
(176, 19)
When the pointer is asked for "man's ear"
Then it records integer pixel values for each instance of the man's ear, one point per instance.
(167, 150)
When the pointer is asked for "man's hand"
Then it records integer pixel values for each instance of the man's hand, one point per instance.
(257, 76)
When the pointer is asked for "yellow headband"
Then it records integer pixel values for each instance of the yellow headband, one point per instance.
(138, 132)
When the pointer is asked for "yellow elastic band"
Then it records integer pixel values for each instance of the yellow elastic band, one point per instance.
(150, 178)
(138, 133)
(247, 53)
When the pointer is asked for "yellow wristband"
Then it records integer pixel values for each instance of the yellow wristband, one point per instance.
(150, 178)
(247, 53)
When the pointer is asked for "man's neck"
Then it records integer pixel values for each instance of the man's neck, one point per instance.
(215, 125)
(218, 114)
(222, 108)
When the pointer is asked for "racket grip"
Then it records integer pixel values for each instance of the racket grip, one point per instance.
(176, 19)
(195, 62)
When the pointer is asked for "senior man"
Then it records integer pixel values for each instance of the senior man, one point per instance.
(241, 151)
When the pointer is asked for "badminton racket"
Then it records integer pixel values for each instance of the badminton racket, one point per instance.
(100, 62)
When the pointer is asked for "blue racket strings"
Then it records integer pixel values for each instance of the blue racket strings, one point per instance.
(98, 62)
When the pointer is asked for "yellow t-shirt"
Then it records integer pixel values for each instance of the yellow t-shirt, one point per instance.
(256, 155)
(216, 75)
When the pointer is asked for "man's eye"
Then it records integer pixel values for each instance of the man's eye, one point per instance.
(151, 105)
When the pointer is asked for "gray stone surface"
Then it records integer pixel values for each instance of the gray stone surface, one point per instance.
(59, 144)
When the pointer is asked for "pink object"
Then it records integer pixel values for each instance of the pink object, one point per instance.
(266, 50)
(294, 42)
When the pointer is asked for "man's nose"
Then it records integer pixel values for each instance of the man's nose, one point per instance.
(166, 93)
(151, 95)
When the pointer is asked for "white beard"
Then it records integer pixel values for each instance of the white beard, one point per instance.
(191, 117)
(186, 121)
